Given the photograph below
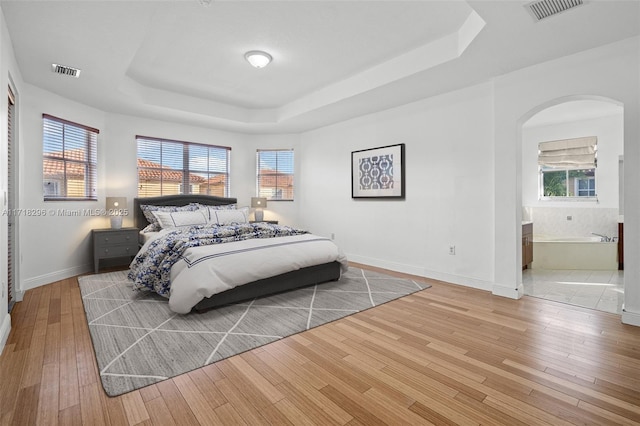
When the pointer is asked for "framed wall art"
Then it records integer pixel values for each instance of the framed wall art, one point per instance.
(378, 172)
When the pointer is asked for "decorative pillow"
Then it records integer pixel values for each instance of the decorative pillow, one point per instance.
(227, 217)
(149, 228)
(153, 221)
(181, 218)
(211, 209)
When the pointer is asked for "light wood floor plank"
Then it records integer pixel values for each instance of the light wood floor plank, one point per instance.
(446, 355)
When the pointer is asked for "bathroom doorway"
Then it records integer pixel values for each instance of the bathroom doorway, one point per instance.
(575, 208)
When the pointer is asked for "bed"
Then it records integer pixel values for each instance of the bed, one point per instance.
(297, 277)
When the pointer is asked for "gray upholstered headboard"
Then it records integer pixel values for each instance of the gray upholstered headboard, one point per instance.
(140, 221)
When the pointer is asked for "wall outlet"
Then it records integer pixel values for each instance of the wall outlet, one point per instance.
(452, 249)
(333, 236)
(569, 217)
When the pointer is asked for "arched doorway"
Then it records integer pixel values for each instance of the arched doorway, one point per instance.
(568, 203)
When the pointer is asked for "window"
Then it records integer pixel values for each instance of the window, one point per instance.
(69, 160)
(568, 168)
(168, 167)
(274, 174)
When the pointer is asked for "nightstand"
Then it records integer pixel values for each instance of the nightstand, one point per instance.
(273, 222)
(111, 243)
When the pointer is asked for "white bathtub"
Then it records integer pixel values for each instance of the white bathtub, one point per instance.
(574, 253)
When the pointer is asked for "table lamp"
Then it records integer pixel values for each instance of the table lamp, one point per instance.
(258, 203)
(114, 207)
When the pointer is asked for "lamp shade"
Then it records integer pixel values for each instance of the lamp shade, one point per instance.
(115, 206)
(258, 202)
(115, 203)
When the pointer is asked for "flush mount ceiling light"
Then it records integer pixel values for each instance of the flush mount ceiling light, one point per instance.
(258, 58)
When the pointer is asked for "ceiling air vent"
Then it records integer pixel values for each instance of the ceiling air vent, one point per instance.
(61, 69)
(545, 8)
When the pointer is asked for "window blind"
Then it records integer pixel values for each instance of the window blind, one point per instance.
(578, 153)
(168, 167)
(69, 160)
(274, 174)
(10, 199)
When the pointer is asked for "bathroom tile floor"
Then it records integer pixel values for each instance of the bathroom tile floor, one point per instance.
(601, 290)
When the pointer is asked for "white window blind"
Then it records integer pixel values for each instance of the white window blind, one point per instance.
(578, 153)
(168, 167)
(11, 224)
(69, 160)
(274, 174)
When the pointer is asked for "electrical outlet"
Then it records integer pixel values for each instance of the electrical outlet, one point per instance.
(569, 217)
(452, 249)
(333, 236)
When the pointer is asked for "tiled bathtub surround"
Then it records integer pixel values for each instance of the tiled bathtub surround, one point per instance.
(552, 221)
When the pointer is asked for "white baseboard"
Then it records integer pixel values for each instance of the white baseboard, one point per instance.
(5, 328)
(421, 272)
(392, 266)
(52, 277)
(511, 293)
(458, 279)
(630, 318)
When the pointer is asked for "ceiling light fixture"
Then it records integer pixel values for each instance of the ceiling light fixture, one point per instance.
(258, 58)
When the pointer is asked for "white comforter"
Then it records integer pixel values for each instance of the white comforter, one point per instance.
(207, 270)
(204, 271)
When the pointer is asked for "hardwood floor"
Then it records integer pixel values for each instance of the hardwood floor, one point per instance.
(446, 355)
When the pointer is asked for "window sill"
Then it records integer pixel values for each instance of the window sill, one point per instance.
(568, 199)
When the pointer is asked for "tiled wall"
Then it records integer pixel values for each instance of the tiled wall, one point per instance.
(553, 221)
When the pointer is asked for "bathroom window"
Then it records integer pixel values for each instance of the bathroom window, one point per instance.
(568, 168)
(568, 183)
(585, 187)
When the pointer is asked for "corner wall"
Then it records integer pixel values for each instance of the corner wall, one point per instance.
(449, 188)
(610, 72)
(54, 245)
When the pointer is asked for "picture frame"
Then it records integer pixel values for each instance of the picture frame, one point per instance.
(378, 172)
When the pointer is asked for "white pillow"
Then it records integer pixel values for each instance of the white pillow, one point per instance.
(211, 210)
(183, 218)
(226, 217)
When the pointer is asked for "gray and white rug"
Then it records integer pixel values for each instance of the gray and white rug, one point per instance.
(139, 341)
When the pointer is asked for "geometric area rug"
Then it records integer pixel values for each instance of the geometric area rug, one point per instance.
(138, 341)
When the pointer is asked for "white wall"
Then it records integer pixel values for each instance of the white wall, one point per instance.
(449, 188)
(610, 72)
(54, 246)
(9, 74)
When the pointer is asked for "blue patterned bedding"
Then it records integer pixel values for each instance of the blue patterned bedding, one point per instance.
(151, 268)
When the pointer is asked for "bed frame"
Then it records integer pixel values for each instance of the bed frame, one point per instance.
(300, 278)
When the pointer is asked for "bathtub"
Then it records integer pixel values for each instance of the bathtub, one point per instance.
(574, 253)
